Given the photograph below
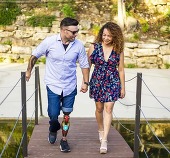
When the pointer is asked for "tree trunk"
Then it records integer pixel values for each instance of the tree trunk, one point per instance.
(121, 13)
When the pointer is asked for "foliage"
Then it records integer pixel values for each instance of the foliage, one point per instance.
(95, 29)
(20, 60)
(167, 66)
(145, 27)
(41, 20)
(41, 60)
(8, 13)
(67, 11)
(1, 59)
(130, 66)
(134, 38)
(6, 127)
(7, 42)
(52, 6)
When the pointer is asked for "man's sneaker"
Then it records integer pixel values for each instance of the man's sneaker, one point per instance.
(64, 147)
(52, 137)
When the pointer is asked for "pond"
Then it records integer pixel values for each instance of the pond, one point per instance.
(153, 148)
(6, 126)
(150, 143)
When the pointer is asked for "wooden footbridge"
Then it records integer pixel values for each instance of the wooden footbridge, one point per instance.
(83, 141)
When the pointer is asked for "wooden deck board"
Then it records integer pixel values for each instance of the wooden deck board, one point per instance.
(83, 141)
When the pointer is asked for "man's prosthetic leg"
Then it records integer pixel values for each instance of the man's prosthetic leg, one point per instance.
(65, 124)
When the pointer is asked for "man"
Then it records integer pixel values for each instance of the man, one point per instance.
(62, 52)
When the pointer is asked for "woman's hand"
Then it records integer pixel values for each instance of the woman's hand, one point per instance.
(122, 93)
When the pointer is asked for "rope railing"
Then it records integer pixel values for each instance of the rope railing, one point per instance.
(123, 125)
(143, 147)
(10, 91)
(131, 79)
(126, 104)
(154, 132)
(155, 96)
(130, 105)
(4, 148)
(24, 134)
(139, 109)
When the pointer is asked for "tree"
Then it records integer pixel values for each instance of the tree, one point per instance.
(121, 14)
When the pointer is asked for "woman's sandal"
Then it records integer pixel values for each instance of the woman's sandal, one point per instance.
(101, 133)
(103, 147)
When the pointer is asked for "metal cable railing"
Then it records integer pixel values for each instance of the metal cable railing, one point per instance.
(10, 91)
(24, 134)
(154, 132)
(22, 110)
(143, 147)
(155, 96)
(15, 126)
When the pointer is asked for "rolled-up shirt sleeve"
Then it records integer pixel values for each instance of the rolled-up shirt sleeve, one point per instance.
(82, 58)
(41, 49)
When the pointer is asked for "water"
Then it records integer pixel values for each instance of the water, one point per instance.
(151, 145)
(6, 128)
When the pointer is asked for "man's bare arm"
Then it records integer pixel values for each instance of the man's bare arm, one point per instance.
(31, 64)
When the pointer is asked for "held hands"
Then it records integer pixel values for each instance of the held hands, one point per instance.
(84, 88)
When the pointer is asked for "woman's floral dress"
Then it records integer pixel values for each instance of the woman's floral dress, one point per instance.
(105, 82)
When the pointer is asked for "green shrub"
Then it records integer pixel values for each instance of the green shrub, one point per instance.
(130, 66)
(134, 38)
(41, 60)
(8, 13)
(52, 6)
(167, 66)
(95, 29)
(145, 27)
(1, 59)
(41, 20)
(67, 11)
(7, 42)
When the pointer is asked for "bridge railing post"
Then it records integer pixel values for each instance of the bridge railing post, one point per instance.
(137, 117)
(39, 90)
(36, 95)
(24, 114)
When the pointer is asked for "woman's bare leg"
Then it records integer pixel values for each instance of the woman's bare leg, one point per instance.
(99, 115)
(108, 109)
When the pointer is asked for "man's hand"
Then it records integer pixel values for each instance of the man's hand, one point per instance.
(27, 75)
(84, 88)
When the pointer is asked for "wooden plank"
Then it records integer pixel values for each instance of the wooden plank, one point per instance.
(83, 141)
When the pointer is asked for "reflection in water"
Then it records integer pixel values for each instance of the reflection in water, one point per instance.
(153, 148)
(6, 128)
(151, 145)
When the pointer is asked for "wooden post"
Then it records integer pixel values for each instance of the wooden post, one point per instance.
(36, 95)
(39, 90)
(24, 114)
(137, 118)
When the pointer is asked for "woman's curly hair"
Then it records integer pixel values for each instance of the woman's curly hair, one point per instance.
(116, 32)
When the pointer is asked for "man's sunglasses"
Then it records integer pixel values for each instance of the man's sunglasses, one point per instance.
(73, 32)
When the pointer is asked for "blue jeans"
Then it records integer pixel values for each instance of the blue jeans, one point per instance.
(55, 104)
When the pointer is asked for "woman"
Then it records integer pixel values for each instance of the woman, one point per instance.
(107, 83)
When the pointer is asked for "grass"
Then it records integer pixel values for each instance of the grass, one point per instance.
(67, 11)
(8, 13)
(130, 66)
(41, 20)
(167, 66)
(7, 42)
